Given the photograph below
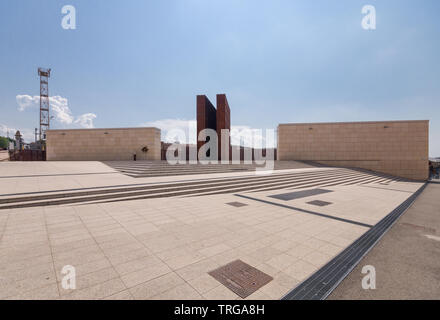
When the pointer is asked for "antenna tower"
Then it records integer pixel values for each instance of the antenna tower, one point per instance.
(44, 101)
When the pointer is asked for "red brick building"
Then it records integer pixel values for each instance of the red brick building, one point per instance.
(208, 117)
(223, 122)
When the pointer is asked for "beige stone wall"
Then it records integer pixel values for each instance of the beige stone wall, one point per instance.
(399, 148)
(103, 144)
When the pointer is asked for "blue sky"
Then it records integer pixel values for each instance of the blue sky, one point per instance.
(140, 62)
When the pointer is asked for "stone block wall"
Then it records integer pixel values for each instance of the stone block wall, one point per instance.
(103, 144)
(398, 148)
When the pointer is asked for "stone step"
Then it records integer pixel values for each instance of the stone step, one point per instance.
(169, 191)
(341, 181)
(194, 193)
(58, 195)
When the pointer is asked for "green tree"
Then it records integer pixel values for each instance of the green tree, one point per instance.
(4, 142)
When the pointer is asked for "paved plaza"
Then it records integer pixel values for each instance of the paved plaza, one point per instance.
(131, 235)
(4, 155)
(414, 272)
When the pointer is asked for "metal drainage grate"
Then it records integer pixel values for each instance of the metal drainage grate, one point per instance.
(299, 194)
(319, 285)
(240, 278)
(319, 203)
(237, 204)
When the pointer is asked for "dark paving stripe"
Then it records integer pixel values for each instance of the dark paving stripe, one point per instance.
(305, 211)
(319, 285)
(319, 203)
(299, 194)
(237, 204)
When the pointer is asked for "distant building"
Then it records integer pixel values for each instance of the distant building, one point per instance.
(19, 143)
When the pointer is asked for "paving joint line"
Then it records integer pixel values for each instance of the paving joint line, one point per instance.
(51, 251)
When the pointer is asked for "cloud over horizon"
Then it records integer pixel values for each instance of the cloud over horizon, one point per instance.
(60, 108)
(185, 131)
(27, 134)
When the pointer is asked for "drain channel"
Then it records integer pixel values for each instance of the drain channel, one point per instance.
(319, 285)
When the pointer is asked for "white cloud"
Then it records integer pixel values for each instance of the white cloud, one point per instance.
(25, 101)
(85, 120)
(5, 130)
(59, 108)
(185, 131)
(172, 130)
(252, 137)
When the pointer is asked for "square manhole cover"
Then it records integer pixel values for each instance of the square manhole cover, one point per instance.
(241, 278)
(237, 204)
(319, 203)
